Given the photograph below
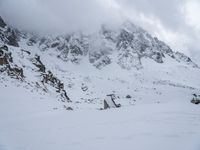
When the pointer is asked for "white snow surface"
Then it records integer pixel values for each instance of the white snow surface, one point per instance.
(157, 116)
(30, 123)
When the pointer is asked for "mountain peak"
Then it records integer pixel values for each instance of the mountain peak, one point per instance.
(60, 64)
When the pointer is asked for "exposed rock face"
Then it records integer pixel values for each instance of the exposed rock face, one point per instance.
(130, 43)
(99, 59)
(49, 78)
(5, 56)
(128, 96)
(37, 62)
(2, 23)
(8, 35)
(6, 63)
(12, 38)
(196, 99)
(15, 72)
(181, 57)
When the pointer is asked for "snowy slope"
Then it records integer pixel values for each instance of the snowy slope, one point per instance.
(172, 125)
(43, 76)
(82, 69)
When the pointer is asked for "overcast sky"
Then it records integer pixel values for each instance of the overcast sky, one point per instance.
(177, 22)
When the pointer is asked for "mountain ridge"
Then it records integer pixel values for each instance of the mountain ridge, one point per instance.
(71, 68)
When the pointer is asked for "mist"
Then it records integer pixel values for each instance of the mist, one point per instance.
(58, 15)
(176, 22)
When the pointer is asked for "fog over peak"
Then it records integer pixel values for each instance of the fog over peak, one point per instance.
(174, 21)
(58, 15)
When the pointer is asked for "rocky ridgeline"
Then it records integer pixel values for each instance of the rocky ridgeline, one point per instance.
(48, 78)
(129, 41)
(9, 36)
(126, 46)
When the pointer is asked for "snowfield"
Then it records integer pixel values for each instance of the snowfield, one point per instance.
(52, 91)
(159, 114)
(29, 123)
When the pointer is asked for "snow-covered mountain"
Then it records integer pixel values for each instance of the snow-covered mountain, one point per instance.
(81, 69)
(43, 76)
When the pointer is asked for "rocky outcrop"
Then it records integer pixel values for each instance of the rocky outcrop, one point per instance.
(37, 62)
(195, 99)
(50, 79)
(6, 63)
(15, 72)
(12, 38)
(180, 57)
(5, 56)
(99, 59)
(8, 35)
(2, 23)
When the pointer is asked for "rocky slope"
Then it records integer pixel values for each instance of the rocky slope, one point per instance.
(80, 69)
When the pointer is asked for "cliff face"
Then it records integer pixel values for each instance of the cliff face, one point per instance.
(7, 35)
(2, 23)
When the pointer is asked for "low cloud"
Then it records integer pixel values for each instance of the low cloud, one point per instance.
(174, 21)
(58, 15)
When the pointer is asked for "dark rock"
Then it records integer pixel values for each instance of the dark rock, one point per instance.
(74, 49)
(4, 48)
(84, 87)
(39, 64)
(54, 45)
(15, 72)
(2, 23)
(5, 56)
(181, 57)
(49, 78)
(124, 39)
(68, 108)
(32, 41)
(195, 101)
(195, 95)
(128, 96)
(157, 57)
(12, 39)
(99, 59)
